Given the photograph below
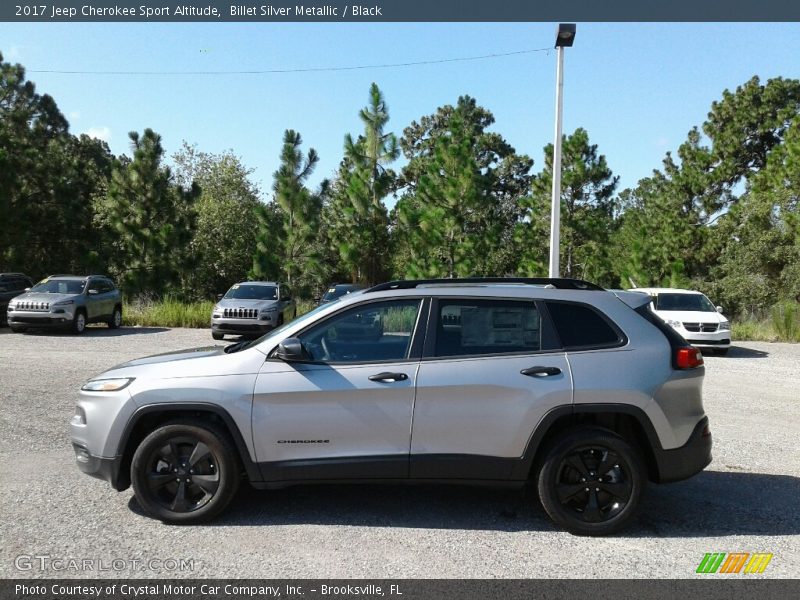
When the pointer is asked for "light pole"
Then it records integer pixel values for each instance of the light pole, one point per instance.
(564, 37)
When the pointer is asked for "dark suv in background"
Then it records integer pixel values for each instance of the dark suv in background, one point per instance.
(11, 285)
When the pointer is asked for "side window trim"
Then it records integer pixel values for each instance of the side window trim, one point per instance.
(414, 348)
(548, 336)
(622, 338)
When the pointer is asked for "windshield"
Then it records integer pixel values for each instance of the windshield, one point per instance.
(59, 286)
(253, 292)
(338, 291)
(688, 302)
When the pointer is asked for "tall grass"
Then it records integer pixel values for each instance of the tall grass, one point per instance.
(786, 321)
(782, 325)
(167, 313)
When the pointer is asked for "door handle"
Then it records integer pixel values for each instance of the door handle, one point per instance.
(388, 377)
(541, 371)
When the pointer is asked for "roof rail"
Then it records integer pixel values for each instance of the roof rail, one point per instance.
(15, 274)
(557, 282)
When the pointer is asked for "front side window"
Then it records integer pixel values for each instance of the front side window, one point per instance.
(480, 327)
(374, 332)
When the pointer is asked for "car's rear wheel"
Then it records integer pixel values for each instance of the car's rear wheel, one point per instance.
(217, 336)
(185, 472)
(590, 481)
(79, 322)
(116, 318)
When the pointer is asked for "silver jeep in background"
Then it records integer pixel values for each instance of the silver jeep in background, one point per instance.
(67, 301)
(252, 308)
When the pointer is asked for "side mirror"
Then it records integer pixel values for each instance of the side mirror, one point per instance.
(291, 349)
(27, 289)
(219, 296)
(719, 309)
(93, 292)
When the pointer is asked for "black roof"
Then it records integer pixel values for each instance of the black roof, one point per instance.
(556, 282)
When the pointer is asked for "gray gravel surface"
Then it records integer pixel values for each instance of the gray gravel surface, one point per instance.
(746, 501)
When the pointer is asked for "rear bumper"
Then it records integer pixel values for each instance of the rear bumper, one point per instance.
(106, 469)
(687, 460)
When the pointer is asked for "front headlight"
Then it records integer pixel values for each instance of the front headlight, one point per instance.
(725, 326)
(675, 324)
(271, 309)
(63, 303)
(107, 385)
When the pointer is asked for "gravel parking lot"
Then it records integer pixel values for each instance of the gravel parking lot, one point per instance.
(746, 500)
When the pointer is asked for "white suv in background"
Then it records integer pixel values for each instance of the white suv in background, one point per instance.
(692, 315)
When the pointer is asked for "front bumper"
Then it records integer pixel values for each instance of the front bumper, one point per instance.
(243, 326)
(106, 469)
(687, 460)
(702, 339)
(40, 318)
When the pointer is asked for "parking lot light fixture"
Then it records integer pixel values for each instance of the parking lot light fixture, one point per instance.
(565, 37)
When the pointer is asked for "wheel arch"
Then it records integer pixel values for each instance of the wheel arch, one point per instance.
(147, 418)
(627, 421)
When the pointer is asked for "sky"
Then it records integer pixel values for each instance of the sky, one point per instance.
(636, 88)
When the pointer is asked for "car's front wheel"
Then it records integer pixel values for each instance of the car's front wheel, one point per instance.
(217, 336)
(116, 318)
(185, 472)
(590, 481)
(17, 329)
(79, 322)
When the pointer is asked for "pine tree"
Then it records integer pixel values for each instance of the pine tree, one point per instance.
(300, 209)
(587, 213)
(358, 224)
(152, 217)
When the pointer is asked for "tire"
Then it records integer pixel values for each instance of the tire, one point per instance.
(217, 336)
(722, 351)
(17, 329)
(162, 460)
(570, 468)
(116, 318)
(280, 320)
(79, 322)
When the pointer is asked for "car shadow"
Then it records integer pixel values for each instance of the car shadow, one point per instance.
(709, 505)
(99, 332)
(742, 352)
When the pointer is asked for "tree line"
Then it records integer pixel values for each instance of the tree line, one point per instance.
(719, 215)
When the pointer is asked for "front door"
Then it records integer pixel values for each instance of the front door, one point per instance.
(346, 412)
(489, 374)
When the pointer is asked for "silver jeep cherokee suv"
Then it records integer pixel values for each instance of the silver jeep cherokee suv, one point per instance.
(252, 307)
(67, 301)
(581, 392)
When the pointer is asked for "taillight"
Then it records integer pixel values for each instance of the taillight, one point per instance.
(688, 358)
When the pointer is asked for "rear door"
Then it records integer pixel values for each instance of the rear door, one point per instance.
(491, 370)
(346, 412)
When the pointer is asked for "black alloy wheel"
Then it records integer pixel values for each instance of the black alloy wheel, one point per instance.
(591, 481)
(185, 472)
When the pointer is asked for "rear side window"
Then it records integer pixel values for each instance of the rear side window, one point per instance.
(480, 327)
(581, 327)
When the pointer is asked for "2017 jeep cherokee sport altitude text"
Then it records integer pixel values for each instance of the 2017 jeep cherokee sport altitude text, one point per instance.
(582, 392)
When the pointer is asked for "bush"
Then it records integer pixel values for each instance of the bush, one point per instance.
(168, 312)
(786, 321)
